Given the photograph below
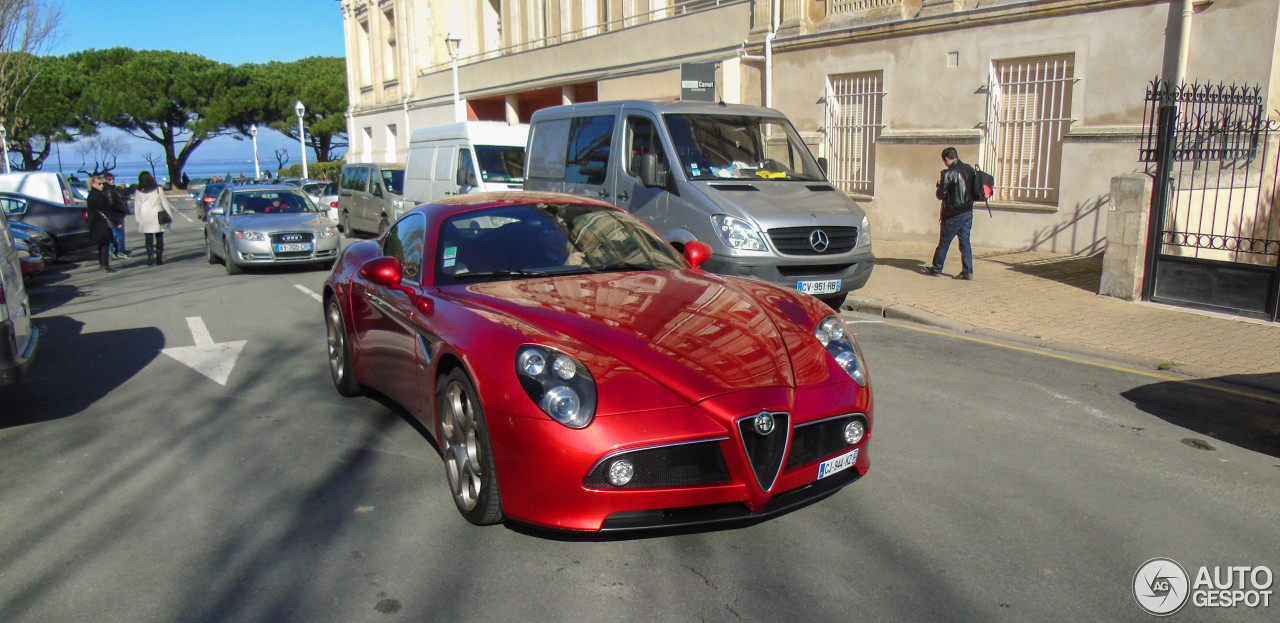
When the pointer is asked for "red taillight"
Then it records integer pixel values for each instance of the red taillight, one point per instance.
(208, 199)
(84, 214)
(333, 204)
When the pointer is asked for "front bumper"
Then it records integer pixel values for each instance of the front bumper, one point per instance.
(548, 474)
(263, 252)
(852, 271)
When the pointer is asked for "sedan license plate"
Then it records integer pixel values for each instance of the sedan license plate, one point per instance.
(830, 286)
(295, 246)
(838, 464)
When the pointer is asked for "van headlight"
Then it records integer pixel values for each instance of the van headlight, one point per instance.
(737, 233)
(864, 232)
(559, 384)
(398, 206)
(836, 338)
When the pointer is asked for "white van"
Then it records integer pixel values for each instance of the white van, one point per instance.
(45, 185)
(459, 158)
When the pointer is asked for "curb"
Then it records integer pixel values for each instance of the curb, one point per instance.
(898, 311)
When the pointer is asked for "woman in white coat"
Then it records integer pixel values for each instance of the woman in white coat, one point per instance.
(148, 202)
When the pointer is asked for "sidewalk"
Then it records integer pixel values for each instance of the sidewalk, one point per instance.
(1051, 300)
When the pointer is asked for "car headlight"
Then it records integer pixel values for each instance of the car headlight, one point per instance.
(327, 232)
(864, 232)
(399, 206)
(559, 384)
(250, 235)
(737, 233)
(836, 338)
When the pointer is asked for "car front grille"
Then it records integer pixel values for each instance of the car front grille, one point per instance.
(292, 237)
(799, 240)
(699, 463)
(815, 440)
(765, 451)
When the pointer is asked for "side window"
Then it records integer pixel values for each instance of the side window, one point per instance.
(547, 147)
(642, 138)
(466, 166)
(404, 242)
(362, 179)
(348, 177)
(13, 206)
(590, 141)
(444, 166)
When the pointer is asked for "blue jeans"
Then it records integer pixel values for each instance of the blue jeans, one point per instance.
(957, 226)
(117, 238)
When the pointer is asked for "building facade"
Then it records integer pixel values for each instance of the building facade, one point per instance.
(1046, 95)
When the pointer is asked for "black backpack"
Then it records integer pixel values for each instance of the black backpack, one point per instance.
(984, 186)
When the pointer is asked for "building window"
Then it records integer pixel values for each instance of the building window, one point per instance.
(390, 154)
(364, 52)
(390, 60)
(855, 108)
(1028, 113)
(366, 144)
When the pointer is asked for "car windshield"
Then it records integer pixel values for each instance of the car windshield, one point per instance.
(393, 180)
(271, 202)
(520, 241)
(740, 147)
(212, 190)
(501, 164)
(313, 188)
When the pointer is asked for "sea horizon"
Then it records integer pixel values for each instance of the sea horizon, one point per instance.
(127, 172)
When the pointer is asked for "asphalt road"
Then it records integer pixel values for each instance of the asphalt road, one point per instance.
(1006, 484)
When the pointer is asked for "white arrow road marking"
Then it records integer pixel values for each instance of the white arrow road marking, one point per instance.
(212, 360)
(309, 292)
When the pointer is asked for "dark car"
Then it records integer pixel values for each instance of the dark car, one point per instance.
(39, 237)
(208, 196)
(68, 224)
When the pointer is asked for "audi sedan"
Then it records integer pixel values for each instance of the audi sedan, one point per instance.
(264, 224)
(579, 373)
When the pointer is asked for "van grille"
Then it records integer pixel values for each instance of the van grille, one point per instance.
(797, 240)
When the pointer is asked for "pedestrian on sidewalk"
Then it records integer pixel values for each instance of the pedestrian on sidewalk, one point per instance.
(149, 203)
(119, 210)
(101, 221)
(955, 213)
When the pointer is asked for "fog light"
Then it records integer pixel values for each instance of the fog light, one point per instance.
(621, 472)
(853, 432)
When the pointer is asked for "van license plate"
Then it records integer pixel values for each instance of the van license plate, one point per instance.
(297, 246)
(838, 464)
(830, 286)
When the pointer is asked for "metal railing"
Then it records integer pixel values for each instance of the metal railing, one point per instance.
(842, 7)
(853, 124)
(1028, 113)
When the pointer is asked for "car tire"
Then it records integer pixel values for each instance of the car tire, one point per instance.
(232, 267)
(467, 452)
(340, 369)
(344, 224)
(208, 250)
(383, 225)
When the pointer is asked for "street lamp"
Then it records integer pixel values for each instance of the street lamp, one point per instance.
(455, 45)
(302, 135)
(4, 138)
(257, 171)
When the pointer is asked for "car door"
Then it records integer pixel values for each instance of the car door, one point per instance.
(215, 225)
(385, 319)
(640, 137)
(586, 170)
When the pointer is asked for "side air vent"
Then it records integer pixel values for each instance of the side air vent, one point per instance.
(735, 187)
(822, 188)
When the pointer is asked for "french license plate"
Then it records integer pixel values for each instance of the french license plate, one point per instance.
(838, 464)
(830, 286)
(293, 246)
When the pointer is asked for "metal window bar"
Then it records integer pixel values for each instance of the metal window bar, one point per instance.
(1028, 113)
(841, 7)
(854, 113)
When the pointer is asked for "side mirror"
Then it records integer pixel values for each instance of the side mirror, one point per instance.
(383, 271)
(377, 190)
(217, 212)
(696, 253)
(822, 164)
(466, 178)
(648, 173)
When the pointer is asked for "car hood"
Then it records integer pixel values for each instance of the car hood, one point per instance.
(694, 333)
(777, 203)
(276, 222)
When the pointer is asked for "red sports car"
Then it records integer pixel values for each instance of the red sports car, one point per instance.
(578, 373)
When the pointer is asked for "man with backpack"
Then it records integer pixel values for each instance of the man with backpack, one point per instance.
(957, 189)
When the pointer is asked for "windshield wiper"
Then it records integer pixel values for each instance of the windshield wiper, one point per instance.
(621, 266)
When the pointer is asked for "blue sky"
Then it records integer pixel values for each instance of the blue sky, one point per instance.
(230, 31)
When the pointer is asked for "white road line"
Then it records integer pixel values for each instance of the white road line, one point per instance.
(309, 292)
(199, 331)
(1072, 401)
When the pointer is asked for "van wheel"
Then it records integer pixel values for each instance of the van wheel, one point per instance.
(344, 224)
(383, 225)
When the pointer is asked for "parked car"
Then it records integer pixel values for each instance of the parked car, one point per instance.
(738, 178)
(46, 185)
(329, 200)
(19, 339)
(29, 259)
(68, 224)
(42, 239)
(580, 374)
(467, 157)
(265, 224)
(207, 195)
(370, 197)
(312, 187)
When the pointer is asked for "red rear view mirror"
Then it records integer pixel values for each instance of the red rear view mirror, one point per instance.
(383, 271)
(696, 253)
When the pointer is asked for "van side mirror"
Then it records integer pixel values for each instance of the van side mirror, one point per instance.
(648, 172)
(466, 178)
(822, 164)
(377, 190)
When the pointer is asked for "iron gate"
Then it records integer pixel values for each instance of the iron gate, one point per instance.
(1214, 237)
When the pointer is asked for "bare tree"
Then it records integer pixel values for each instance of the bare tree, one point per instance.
(282, 156)
(152, 159)
(27, 28)
(104, 151)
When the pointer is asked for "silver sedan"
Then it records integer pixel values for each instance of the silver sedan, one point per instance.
(268, 224)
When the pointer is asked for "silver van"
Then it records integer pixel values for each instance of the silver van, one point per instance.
(738, 178)
(370, 197)
(18, 337)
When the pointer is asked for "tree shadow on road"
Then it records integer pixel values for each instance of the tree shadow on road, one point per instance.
(1249, 422)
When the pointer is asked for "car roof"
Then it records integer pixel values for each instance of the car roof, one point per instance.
(5, 193)
(250, 187)
(659, 108)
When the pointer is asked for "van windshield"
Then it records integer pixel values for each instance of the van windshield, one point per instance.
(501, 164)
(393, 180)
(740, 147)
